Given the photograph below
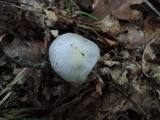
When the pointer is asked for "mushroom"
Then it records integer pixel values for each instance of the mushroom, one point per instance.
(73, 57)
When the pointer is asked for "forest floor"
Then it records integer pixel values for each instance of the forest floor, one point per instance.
(126, 85)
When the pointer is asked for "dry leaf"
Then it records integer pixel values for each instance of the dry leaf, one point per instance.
(131, 37)
(125, 12)
(51, 15)
(107, 41)
(99, 85)
(112, 63)
(33, 4)
(109, 24)
(119, 9)
(54, 33)
(105, 7)
(2, 36)
(152, 29)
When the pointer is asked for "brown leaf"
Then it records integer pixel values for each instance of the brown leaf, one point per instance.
(87, 108)
(124, 12)
(131, 37)
(109, 24)
(152, 29)
(28, 51)
(105, 7)
(51, 15)
(99, 85)
(107, 41)
(119, 9)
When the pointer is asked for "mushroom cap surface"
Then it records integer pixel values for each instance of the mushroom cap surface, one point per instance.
(73, 57)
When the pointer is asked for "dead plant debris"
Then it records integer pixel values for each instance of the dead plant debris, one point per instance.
(125, 83)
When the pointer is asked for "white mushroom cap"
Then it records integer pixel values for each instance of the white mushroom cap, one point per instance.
(73, 57)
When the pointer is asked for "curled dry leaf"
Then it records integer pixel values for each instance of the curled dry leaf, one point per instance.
(131, 37)
(155, 70)
(149, 54)
(158, 91)
(51, 15)
(125, 12)
(107, 41)
(105, 7)
(105, 57)
(125, 54)
(85, 5)
(152, 29)
(99, 85)
(120, 72)
(112, 10)
(118, 75)
(94, 5)
(112, 63)
(54, 33)
(2, 62)
(109, 24)
(119, 9)
(28, 51)
(2, 36)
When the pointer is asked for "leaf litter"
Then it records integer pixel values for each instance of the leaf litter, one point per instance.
(125, 82)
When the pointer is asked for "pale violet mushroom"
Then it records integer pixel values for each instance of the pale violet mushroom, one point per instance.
(73, 57)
